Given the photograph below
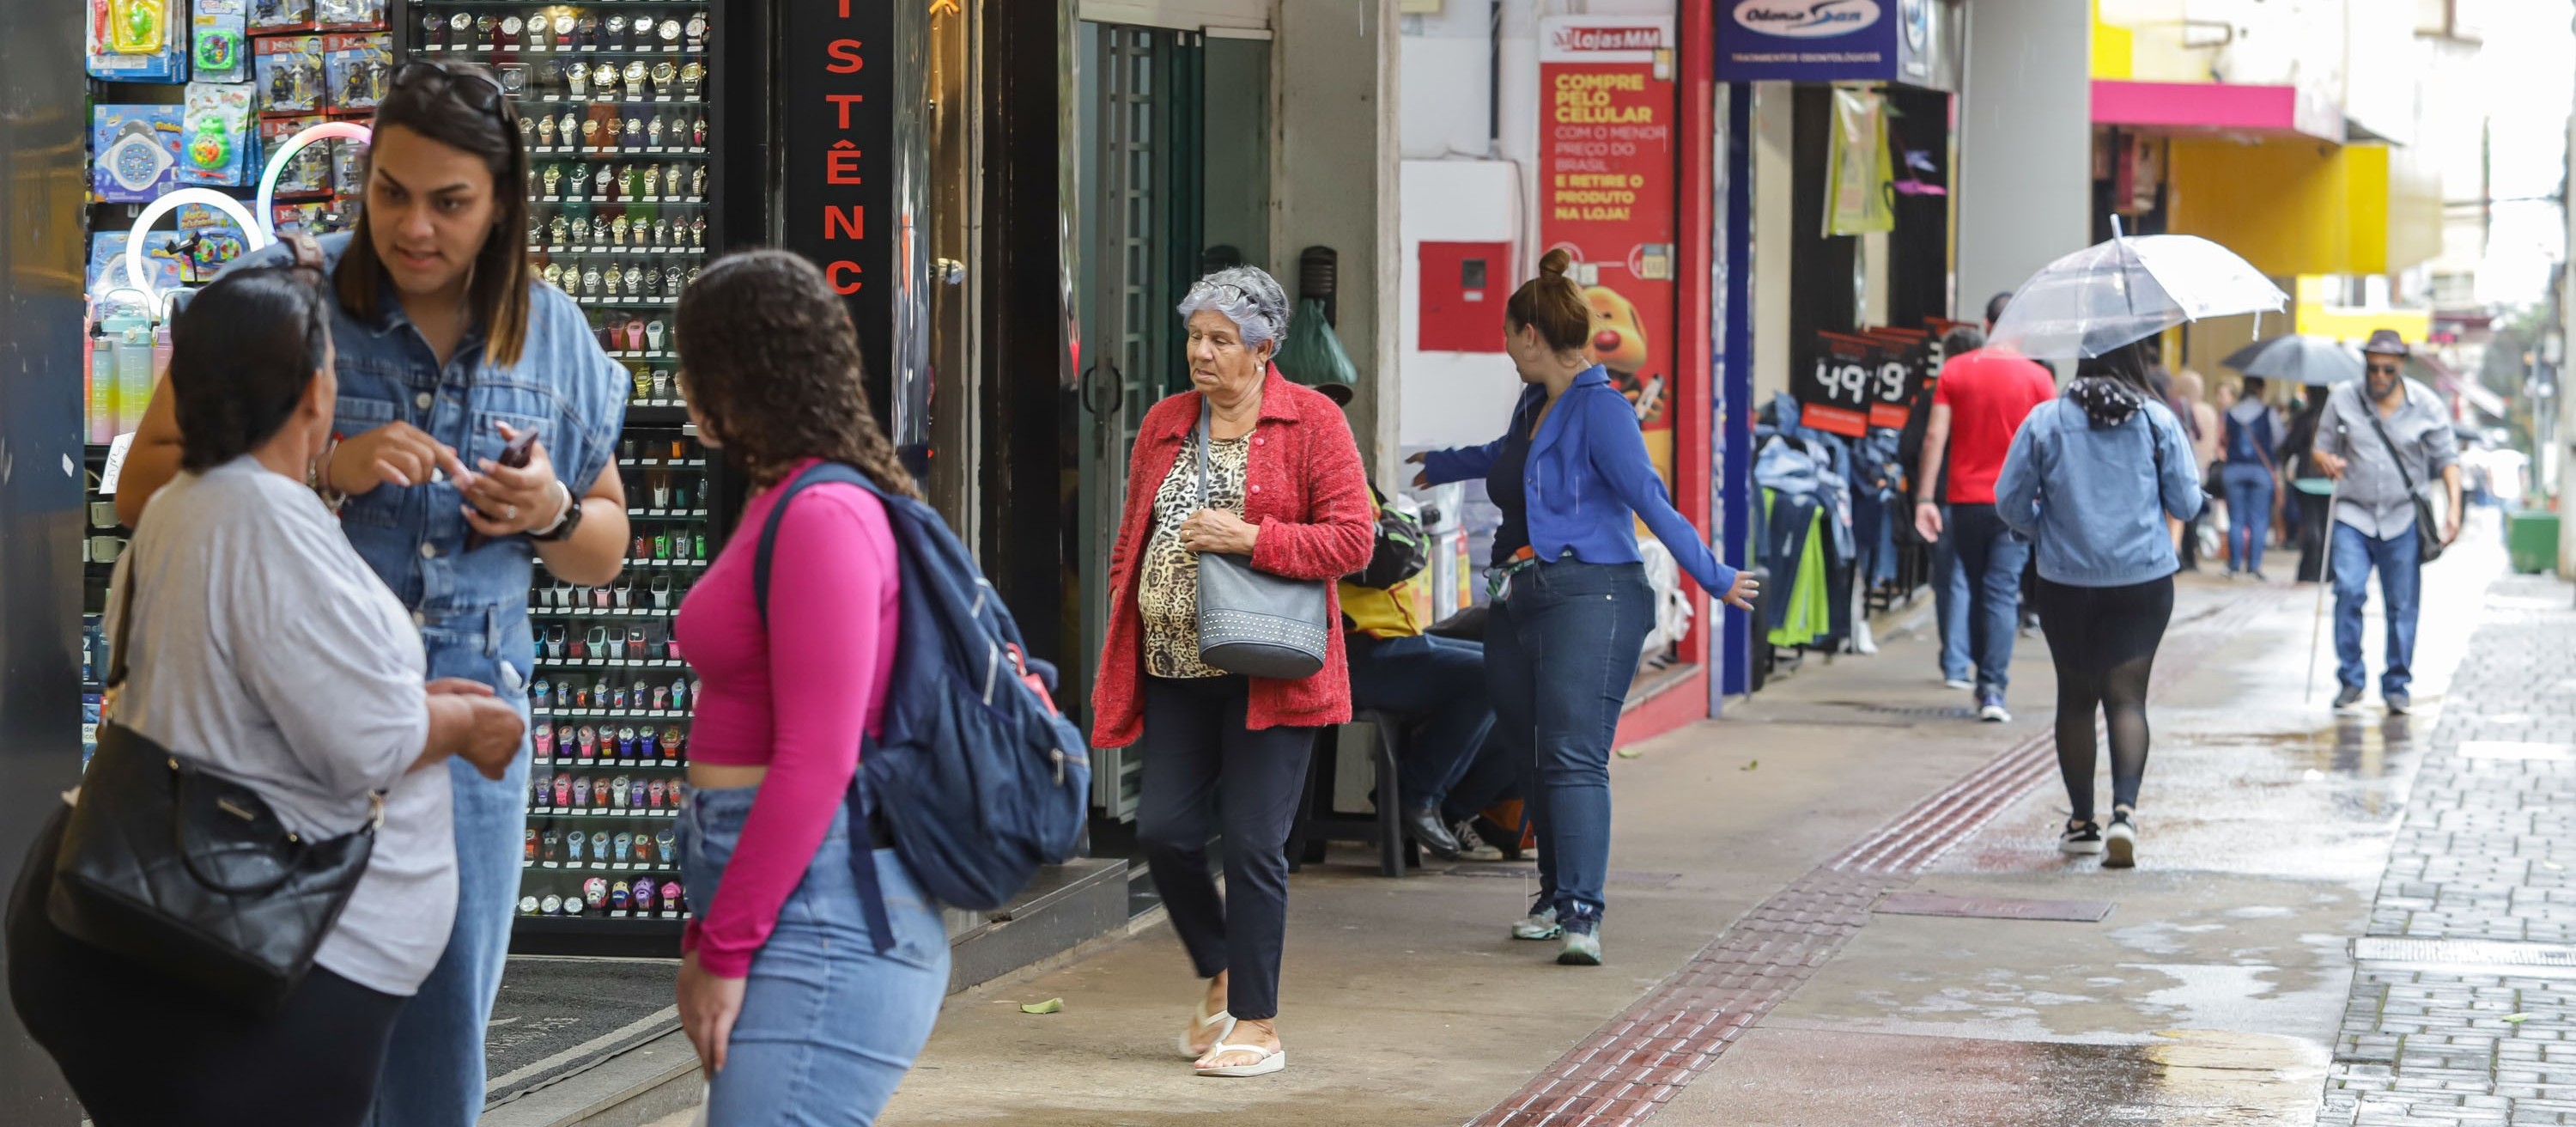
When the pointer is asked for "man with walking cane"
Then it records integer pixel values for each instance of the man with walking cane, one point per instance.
(2383, 440)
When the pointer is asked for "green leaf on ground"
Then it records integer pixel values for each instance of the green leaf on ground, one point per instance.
(1629, 753)
(1750, 766)
(2516, 1019)
(1051, 1005)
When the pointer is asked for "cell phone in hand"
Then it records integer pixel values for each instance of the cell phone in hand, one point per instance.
(514, 455)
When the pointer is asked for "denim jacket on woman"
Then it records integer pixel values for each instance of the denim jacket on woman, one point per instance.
(1588, 481)
(472, 607)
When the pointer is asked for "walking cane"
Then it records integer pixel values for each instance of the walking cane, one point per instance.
(2325, 579)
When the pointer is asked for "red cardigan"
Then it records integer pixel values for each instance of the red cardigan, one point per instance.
(1304, 488)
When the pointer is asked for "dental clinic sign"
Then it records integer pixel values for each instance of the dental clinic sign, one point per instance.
(1813, 40)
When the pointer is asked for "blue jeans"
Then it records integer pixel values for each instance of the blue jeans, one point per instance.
(1559, 655)
(2249, 513)
(1950, 603)
(1991, 559)
(1437, 685)
(434, 1074)
(828, 1026)
(2400, 580)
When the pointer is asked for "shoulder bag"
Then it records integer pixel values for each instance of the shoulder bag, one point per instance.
(2428, 533)
(192, 875)
(1252, 622)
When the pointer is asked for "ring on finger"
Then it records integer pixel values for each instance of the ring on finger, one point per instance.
(509, 512)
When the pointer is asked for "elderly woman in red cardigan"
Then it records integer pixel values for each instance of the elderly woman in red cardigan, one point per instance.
(1221, 750)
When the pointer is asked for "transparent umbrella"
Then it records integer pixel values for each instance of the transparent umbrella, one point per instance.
(2129, 289)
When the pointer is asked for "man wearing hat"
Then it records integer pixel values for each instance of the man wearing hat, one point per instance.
(2382, 440)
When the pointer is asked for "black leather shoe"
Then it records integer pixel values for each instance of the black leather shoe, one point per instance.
(1425, 828)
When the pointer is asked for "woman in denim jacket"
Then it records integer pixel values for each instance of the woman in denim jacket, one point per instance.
(1572, 478)
(2091, 477)
(449, 346)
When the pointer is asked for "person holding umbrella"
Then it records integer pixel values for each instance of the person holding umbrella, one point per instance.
(2383, 440)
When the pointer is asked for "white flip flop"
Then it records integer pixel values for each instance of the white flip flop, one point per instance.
(1272, 1060)
(1201, 1019)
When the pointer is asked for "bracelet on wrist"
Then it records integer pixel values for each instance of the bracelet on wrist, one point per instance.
(318, 476)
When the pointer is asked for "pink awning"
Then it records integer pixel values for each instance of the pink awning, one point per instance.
(2214, 107)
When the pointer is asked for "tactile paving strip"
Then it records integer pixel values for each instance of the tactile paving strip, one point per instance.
(1639, 1060)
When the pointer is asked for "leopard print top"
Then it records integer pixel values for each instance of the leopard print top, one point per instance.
(1167, 594)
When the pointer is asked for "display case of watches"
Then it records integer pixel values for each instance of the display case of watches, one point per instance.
(618, 102)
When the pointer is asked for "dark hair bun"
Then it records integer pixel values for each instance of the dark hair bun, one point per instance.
(1555, 263)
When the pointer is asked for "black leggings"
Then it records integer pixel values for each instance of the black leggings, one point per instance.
(142, 1049)
(2103, 640)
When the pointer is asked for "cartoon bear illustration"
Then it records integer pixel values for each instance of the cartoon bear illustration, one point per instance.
(1619, 344)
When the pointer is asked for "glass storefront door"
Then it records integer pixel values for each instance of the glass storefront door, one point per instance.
(1173, 163)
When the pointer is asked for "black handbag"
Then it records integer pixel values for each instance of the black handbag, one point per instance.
(2428, 535)
(1252, 622)
(192, 875)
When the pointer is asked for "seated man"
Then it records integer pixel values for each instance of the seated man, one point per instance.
(1435, 686)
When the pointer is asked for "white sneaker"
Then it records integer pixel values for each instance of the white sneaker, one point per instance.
(1992, 712)
(2120, 842)
(1540, 924)
(1960, 683)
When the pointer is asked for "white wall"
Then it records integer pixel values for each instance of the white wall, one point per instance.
(2025, 142)
(1454, 398)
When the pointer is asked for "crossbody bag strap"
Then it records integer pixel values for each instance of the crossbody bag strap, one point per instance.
(116, 664)
(1203, 435)
(2368, 409)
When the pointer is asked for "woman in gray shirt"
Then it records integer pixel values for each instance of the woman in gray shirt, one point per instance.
(264, 650)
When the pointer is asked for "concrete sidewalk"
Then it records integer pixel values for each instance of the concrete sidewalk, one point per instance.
(1749, 979)
(1404, 1001)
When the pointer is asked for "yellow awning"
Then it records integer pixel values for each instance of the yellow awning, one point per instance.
(2297, 206)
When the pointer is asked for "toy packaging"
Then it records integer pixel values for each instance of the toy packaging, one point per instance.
(281, 15)
(135, 152)
(354, 14)
(138, 40)
(308, 171)
(290, 74)
(218, 145)
(349, 169)
(358, 66)
(222, 43)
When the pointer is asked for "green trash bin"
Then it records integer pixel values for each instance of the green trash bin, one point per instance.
(2531, 539)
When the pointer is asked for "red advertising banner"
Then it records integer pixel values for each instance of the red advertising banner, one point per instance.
(1606, 197)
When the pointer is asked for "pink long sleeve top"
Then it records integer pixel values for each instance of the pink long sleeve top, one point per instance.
(795, 696)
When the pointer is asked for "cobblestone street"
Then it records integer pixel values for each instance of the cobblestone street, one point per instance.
(2463, 1007)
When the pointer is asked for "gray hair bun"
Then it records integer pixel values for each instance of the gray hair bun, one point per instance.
(1248, 296)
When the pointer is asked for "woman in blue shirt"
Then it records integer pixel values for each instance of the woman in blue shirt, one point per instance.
(1572, 478)
(2091, 477)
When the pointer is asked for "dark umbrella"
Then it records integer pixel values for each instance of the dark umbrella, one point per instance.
(2298, 359)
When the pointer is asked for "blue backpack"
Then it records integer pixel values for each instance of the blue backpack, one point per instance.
(977, 778)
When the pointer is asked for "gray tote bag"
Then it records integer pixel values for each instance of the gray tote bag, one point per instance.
(1252, 622)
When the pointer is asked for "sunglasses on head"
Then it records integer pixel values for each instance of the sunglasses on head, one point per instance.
(483, 92)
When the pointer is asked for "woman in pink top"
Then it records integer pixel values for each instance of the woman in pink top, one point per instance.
(796, 1016)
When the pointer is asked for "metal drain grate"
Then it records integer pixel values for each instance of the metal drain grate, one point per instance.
(2463, 952)
(1915, 711)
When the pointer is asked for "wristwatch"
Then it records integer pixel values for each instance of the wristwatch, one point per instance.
(564, 525)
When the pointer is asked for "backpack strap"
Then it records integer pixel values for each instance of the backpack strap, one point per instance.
(863, 857)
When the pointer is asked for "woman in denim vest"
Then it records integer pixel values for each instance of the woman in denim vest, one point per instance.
(449, 348)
